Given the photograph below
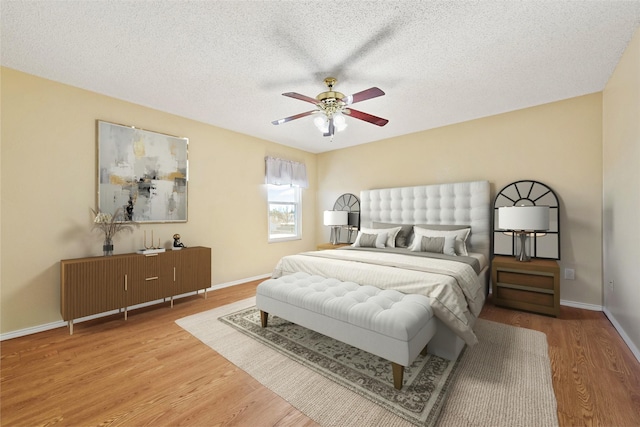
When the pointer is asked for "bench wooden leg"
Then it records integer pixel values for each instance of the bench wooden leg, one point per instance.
(424, 350)
(264, 316)
(398, 373)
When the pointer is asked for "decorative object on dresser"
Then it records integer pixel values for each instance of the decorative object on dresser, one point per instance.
(335, 219)
(350, 203)
(527, 193)
(177, 244)
(151, 249)
(523, 221)
(142, 172)
(531, 286)
(94, 285)
(110, 225)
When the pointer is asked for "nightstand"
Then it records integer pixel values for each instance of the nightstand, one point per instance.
(531, 286)
(323, 246)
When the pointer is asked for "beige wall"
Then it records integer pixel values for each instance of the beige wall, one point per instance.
(621, 181)
(49, 185)
(48, 177)
(559, 144)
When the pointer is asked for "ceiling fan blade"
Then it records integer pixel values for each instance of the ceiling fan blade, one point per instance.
(301, 97)
(331, 130)
(366, 117)
(297, 116)
(372, 92)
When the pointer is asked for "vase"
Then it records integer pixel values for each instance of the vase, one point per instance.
(107, 247)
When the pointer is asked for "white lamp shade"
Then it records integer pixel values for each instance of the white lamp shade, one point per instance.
(322, 123)
(527, 218)
(336, 217)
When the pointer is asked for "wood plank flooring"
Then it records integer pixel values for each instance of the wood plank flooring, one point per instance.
(149, 371)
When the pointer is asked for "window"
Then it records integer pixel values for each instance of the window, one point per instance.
(285, 212)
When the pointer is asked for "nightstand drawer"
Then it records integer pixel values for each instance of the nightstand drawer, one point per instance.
(525, 297)
(526, 279)
(532, 286)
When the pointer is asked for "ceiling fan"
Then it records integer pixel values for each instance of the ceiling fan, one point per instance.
(332, 106)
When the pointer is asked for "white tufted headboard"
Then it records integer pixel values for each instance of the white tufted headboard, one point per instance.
(462, 203)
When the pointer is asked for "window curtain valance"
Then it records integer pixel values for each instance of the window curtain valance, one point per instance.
(285, 172)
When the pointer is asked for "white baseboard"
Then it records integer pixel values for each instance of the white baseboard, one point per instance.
(582, 305)
(239, 282)
(62, 323)
(623, 334)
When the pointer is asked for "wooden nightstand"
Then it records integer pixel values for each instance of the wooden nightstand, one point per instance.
(531, 286)
(323, 246)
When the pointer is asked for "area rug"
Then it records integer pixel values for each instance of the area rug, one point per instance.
(505, 380)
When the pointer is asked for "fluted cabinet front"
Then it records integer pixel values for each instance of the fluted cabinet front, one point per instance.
(192, 269)
(90, 286)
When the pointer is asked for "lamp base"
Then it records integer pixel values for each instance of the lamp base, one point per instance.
(523, 256)
(335, 235)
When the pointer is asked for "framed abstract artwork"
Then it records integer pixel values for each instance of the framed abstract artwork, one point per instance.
(143, 173)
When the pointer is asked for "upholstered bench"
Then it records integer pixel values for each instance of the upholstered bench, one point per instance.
(386, 323)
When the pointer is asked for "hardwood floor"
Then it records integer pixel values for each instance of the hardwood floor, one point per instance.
(149, 371)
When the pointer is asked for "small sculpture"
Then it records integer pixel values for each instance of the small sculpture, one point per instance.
(176, 241)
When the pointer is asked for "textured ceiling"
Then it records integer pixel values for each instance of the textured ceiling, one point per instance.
(227, 63)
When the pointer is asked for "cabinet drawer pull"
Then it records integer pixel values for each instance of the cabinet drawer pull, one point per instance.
(151, 278)
(147, 255)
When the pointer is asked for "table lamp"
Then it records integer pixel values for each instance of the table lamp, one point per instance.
(335, 219)
(523, 220)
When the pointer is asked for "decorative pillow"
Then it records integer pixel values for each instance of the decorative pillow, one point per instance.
(439, 245)
(402, 238)
(441, 227)
(460, 235)
(390, 232)
(370, 240)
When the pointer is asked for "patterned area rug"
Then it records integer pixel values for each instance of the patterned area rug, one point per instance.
(505, 380)
(425, 382)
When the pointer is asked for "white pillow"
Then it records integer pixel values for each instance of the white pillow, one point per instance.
(460, 236)
(448, 249)
(381, 238)
(390, 232)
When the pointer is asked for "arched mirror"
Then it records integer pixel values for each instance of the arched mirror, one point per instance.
(528, 193)
(350, 203)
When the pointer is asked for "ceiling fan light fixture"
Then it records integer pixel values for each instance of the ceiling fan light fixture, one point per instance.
(339, 122)
(332, 106)
(322, 123)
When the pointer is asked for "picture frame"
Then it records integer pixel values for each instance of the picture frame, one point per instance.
(143, 173)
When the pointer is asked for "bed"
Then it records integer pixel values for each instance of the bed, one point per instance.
(440, 249)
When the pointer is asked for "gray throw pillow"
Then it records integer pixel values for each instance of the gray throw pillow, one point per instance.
(368, 240)
(432, 244)
(402, 238)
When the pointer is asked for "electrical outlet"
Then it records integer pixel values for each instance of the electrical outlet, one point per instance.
(611, 285)
(569, 274)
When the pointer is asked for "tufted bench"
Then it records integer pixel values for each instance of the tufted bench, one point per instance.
(387, 323)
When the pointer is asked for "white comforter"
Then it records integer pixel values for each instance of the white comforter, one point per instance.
(454, 287)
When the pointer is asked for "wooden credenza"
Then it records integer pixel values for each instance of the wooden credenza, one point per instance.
(96, 285)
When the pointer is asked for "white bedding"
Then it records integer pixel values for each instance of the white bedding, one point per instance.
(456, 291)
